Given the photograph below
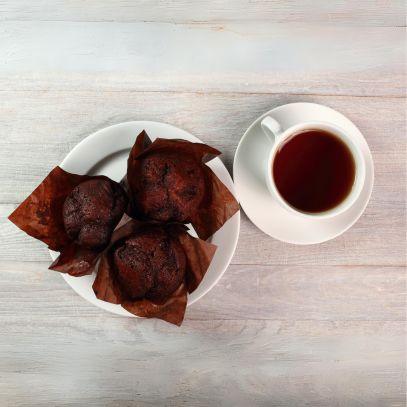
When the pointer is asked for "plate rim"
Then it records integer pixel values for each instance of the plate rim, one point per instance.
(216, 160)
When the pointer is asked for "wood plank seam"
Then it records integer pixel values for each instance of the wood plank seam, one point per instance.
(206, 93)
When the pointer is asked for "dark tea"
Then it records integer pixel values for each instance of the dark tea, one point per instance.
(314, 171)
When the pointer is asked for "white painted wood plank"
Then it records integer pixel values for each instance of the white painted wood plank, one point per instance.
(57, 349)
(365, 12)
(306, 293)
(244, 57)
(276, 293)
(115, 362)
(374, 240)
(298, 328)
(39, 128)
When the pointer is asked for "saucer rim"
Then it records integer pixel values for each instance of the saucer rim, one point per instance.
(366, 154)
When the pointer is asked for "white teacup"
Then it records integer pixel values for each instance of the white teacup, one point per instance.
(278, 136)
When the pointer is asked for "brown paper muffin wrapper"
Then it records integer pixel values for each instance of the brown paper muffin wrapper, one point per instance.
(219, 204)
(198, 253)
(40, 216)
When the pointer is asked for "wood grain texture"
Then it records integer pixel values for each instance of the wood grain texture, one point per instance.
(271, 358)
(306, 343)
(281, 293)
(287, 325)
(347, 12)
(39, 128)
(112, 362)
(245, 57)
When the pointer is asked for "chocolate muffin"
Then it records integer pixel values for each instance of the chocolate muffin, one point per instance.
(149, 264)
(92, 210)
(170, 188)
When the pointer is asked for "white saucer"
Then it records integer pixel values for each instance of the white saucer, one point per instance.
(105, 152)
(249, 176)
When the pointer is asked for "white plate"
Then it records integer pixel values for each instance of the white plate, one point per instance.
(249, 175)
(105, 152)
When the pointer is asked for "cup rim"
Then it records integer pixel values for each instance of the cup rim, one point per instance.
(358, 157)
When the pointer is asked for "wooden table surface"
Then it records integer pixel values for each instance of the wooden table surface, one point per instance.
(287, 325)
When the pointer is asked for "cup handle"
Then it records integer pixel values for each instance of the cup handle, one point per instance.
(272, 128)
